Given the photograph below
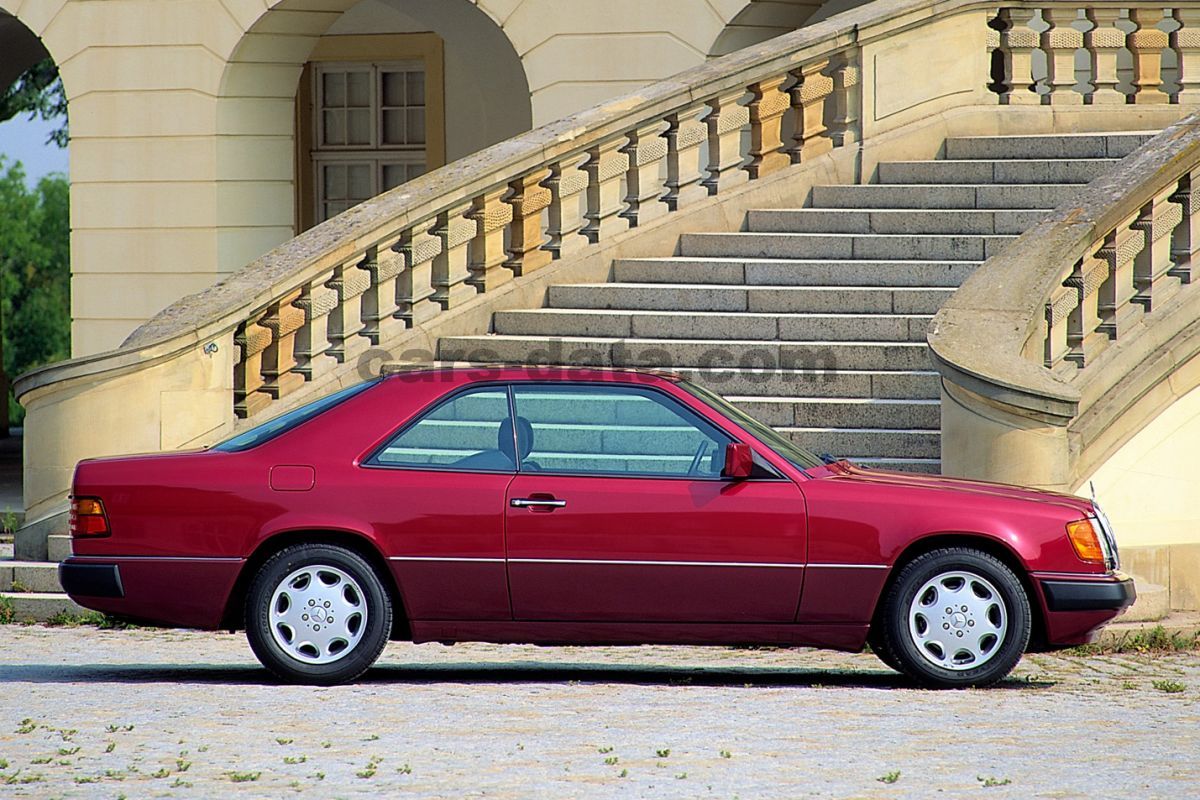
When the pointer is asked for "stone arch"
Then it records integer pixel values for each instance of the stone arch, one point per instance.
(486, 101)
(760, 20)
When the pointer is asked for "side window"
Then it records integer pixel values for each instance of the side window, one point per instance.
(614, 430)
(470, 431)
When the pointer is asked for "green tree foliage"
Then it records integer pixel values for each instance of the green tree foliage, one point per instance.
(35, 272)
(38, 91)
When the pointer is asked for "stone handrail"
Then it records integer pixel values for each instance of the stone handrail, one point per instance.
(403, 260)
(1064, 328)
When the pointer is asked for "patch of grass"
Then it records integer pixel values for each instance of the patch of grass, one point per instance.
(87, 779)
(989, 782)
(889, 777)
(108, 748)
(611, 760)
(20, 779)
(1155, 640)
(326, 745)
(603, 750)
(295, 759)
(374, 737)
(19, 588)
(1170, 687)
(623, 774)
(68, 751)
(3, 763)
(27, 726)
(181, 765)
(663, 753)
(114, 774)
(405, 770)
(119, 728)
(41, 760)
(243, 777)
(284, 741)
(161, 772)
(681, 776)
(726, 754)
(8, 612)
(180, 783)
(371, 769)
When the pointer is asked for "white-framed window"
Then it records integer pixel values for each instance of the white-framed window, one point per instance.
(369, 131)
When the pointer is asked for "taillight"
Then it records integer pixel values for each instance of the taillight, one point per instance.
(87, 517)
(1086, 541)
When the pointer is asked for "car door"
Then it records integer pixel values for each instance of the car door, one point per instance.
(439, 487)
(619, 512)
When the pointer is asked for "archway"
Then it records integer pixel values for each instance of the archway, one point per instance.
(271, 152)
(765, 19)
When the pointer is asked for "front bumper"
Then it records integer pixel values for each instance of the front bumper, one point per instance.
(91, 580)
(1075, 595)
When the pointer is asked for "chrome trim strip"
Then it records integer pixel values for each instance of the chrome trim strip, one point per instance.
(109, 559)
(447, 558)
(848, 566)
(622, 562)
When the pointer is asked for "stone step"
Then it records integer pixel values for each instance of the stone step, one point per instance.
(712, 325)
(29, 576)
(928, 466)
(766, 299)
(839, 412)
(940, 196)
(816, 245)
(1072, 145)
(868, 443)
(1022, 171)
(905, 221)
(780, 272)
(1153, 602)
(40, 606)
(884, 384)
(58, 547)
(674, 353)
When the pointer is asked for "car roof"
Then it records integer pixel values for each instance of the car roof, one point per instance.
(458, 373)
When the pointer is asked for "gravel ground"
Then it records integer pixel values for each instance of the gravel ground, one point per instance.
(141, 713)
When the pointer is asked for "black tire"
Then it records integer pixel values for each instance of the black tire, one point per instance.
(355, 591)
(995, 600)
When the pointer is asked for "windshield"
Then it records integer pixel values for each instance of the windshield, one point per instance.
(281, 424)
(798, 456)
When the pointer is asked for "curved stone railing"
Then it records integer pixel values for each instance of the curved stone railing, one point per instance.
(415, 260)
(1056, 349)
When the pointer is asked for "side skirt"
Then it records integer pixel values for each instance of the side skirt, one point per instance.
(848, 637)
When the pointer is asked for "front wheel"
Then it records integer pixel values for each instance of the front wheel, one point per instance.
(317, 613)
(955, 617)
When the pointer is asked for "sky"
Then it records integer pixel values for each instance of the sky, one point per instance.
(24, 140)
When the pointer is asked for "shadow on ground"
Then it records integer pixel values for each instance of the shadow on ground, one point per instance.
(482, 673)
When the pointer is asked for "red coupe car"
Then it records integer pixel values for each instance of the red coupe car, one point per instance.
(578, 506)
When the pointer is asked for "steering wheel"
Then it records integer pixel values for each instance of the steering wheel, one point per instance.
(694, 469)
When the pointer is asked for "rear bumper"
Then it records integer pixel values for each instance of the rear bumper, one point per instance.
(1068, 595)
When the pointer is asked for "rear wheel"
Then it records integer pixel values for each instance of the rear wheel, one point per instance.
(954, 617)
(317, 613)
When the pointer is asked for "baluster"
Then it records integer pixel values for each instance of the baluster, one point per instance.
(1083, 324)
(486, 252)
(606, 167)
(1120, 247)
(1104, 42)
(1185, 242)
(379, 298)
(450, 269)
(1063, 300)
(251, 340)
(1018, 41)
(808, 96)
(685, 134)
(725, 121)
(647, 152)
(418, 247)
(1185, 41)
(843, 129)
(345, 321)
(767, 107)
(312, 340)
(995, 76)
(568, 204)
(1157, 222)
(528, 199)
(1060, 42)
(1146, 44)
(283, 320)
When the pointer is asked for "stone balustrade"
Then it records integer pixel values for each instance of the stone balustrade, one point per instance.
(417, 260)
(1079, 333)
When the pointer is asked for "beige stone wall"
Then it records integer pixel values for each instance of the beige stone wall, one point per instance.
(1147, 487)
(183, 116)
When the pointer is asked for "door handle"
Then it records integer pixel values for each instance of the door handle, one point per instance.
(536, 502)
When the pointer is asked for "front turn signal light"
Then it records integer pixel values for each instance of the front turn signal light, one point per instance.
(88, 518)
(1086, 541)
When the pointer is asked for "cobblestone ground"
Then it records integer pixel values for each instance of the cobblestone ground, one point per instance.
(91, 713)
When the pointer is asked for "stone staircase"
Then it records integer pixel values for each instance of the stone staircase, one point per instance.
(814, 319)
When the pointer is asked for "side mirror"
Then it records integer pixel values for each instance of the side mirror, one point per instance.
(739, 461)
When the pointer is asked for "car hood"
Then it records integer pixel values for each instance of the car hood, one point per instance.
(844, 470)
